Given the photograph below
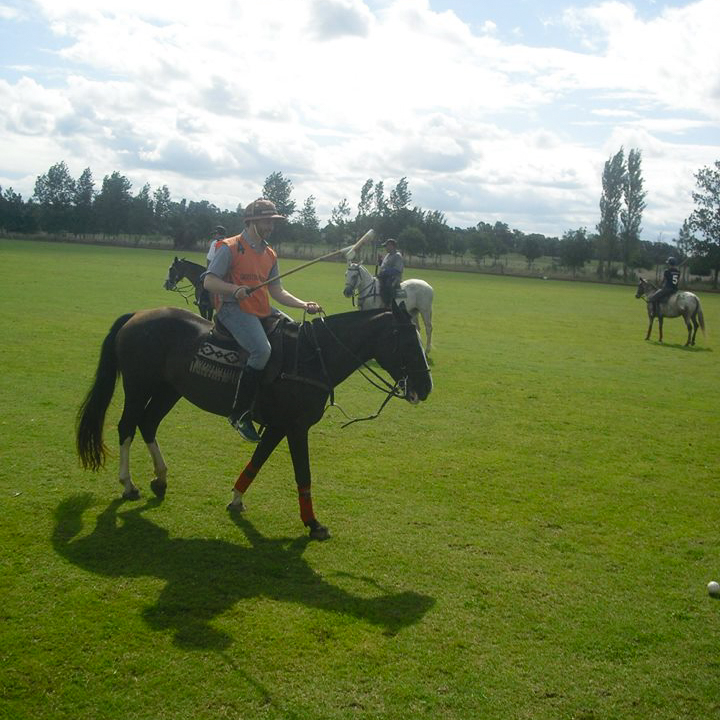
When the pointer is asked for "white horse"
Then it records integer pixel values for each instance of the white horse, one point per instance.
(684, 303)
(416, 294)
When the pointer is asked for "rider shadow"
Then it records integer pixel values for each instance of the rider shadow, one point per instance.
(205, 578)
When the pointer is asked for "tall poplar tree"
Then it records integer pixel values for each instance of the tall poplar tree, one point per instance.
(84, 215)
(631, 213)
(613, 182)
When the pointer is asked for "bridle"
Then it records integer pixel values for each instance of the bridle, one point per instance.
(396, 389)
(643, 288)
(173, 278)
(359, 291)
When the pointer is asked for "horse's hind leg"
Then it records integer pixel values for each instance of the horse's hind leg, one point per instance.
(427, 319)
(135, 400)
(694, 329)
(161, 402)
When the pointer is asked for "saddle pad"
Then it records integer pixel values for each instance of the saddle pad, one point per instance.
(218, 363)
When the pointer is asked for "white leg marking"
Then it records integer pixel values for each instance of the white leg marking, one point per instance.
(124, 475)
(158, 462)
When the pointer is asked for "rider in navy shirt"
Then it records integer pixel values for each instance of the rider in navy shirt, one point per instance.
(671, 283)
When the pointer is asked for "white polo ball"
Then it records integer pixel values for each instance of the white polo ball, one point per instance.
(714, 589)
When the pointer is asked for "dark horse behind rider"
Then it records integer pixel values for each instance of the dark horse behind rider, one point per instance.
(162, 355)
(182, 269)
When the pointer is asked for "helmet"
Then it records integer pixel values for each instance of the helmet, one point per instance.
(389, 240)
(262, 209)
(220, 229)
(671, 261)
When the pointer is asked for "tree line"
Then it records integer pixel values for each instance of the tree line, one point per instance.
(62, 205)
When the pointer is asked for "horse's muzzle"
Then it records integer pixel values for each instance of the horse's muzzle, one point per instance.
(347, 292)
(415, 393)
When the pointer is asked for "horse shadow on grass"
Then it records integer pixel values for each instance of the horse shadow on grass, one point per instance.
(205, 577)
(680, 346)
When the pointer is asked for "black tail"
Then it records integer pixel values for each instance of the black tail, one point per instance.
(91, 414)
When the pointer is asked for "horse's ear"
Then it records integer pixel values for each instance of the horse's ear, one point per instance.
(175, 259)
(400, 311)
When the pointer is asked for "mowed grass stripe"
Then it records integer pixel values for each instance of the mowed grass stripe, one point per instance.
(534, 541)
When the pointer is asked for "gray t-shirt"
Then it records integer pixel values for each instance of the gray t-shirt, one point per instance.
(220, 266)
(392, 264)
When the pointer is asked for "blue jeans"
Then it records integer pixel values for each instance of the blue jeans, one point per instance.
(248, 332)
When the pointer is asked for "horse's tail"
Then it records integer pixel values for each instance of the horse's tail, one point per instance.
(700, 317)
(91, 414)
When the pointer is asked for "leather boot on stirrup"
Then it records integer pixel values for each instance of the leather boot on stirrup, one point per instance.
(241, 418)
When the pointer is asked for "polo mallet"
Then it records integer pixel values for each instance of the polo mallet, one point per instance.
(348, 252)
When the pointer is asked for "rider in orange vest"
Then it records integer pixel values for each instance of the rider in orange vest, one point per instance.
(239, 264)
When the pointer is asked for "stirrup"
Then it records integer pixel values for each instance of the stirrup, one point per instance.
(244, 426)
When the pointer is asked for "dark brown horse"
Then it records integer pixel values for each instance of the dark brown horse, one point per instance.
(182, 269)
(164, 354)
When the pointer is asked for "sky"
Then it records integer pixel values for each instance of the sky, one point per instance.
(493, 110)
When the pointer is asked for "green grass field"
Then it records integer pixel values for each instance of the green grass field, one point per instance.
(534, 541)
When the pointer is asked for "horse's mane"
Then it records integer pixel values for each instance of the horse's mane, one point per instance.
(194, 264)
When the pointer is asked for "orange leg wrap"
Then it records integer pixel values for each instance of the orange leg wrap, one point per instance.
(246, 477)
(306, 507)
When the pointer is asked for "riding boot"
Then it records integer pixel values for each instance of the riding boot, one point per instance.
(240, 417)
(386, 293)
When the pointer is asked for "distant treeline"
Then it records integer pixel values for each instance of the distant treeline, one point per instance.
(64, 206)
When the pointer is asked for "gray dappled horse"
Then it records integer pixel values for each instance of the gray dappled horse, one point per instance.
(417, 295)
(680, 304)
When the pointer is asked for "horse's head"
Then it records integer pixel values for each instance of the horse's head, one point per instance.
(174, 275)
(641, 288)
(402, 355)
(352, 277)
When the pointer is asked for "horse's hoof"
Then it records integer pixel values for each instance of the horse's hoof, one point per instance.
(319, 532)
(236, 507)
(133, 494)
(159, 488)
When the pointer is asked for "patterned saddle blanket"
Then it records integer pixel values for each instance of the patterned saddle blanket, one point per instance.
(220, 358)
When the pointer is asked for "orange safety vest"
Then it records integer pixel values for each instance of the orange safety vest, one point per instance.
(250, 268)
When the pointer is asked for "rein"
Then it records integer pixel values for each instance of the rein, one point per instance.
(185, 291)
(398, 389)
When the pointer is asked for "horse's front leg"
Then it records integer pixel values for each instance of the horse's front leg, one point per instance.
(660, 324)
(651, 317)
(298, 444)
(269, 441)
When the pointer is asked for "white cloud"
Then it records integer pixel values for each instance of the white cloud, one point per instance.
(332, 93)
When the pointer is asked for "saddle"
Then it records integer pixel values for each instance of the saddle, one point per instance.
(220, 358)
